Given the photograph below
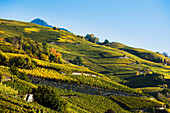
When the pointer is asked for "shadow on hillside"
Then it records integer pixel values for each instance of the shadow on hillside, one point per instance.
(148, 80)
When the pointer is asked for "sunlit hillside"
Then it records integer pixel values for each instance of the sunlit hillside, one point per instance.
(83, 76)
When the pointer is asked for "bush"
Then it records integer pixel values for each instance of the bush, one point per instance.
(78, 61)
(110, 111)
(22, 62)
(3, 58)
(47, 96)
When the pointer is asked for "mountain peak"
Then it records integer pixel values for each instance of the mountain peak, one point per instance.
(41, 22)
(44, 23)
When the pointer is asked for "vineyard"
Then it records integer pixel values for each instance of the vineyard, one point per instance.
(136, 103)
(78, 79)
(95, 104)
(12, 104)
(37, 57)
(63, 67)
(7, 90)
(150, 89)
(22, 86)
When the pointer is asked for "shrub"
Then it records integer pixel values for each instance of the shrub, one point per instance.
(3, 59)
(22, 62)
(78, 61)
(47, 96)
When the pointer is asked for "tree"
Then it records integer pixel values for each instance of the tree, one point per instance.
(44, 57)
(110, 111)
(45, 47)
(137, 73)
(18, 61)
(4, 60)
(47, 96)
(22, 62)
(20, 42)
(23, 76)
(96, 39)
(106, 41)
(165, 54)
(91, 38)
(78, 61)
(10, 39)
(52, 58)
(14, 70)
(58, 56)
(54, 28)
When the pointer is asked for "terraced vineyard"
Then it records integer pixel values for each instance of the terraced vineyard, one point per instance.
(136, 103)
(91, 77)
(11, 104)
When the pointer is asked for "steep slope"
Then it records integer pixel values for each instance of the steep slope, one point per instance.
(104, 58)
(103, 67)
(144, 54)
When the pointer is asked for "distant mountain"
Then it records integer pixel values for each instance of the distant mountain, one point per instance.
(41, 22)
(64, 29)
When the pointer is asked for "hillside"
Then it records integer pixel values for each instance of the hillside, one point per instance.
(80, 71)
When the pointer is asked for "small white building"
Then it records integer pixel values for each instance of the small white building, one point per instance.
(86, 74)
(76, 73)
(29, 97)
(93, 75)
(161, 108)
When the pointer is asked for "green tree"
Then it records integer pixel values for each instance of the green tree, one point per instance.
(17, 61)
(10, 39)
(106, 41)
(23, 76)
(52, 58)
(4, 60)
(91, 38)
(78, 61)
(45, 48)
(47, 96)
(44, 57)
(22, 62)
(165, 54)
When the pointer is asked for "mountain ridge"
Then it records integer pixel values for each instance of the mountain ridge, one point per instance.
(44, 23)
(41, 22)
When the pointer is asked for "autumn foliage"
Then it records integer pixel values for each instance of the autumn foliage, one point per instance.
(2, 39)
(58, 54)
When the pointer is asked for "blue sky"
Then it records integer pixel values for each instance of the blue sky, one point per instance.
(137, 23)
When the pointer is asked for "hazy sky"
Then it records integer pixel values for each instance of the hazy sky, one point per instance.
(138, 23)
